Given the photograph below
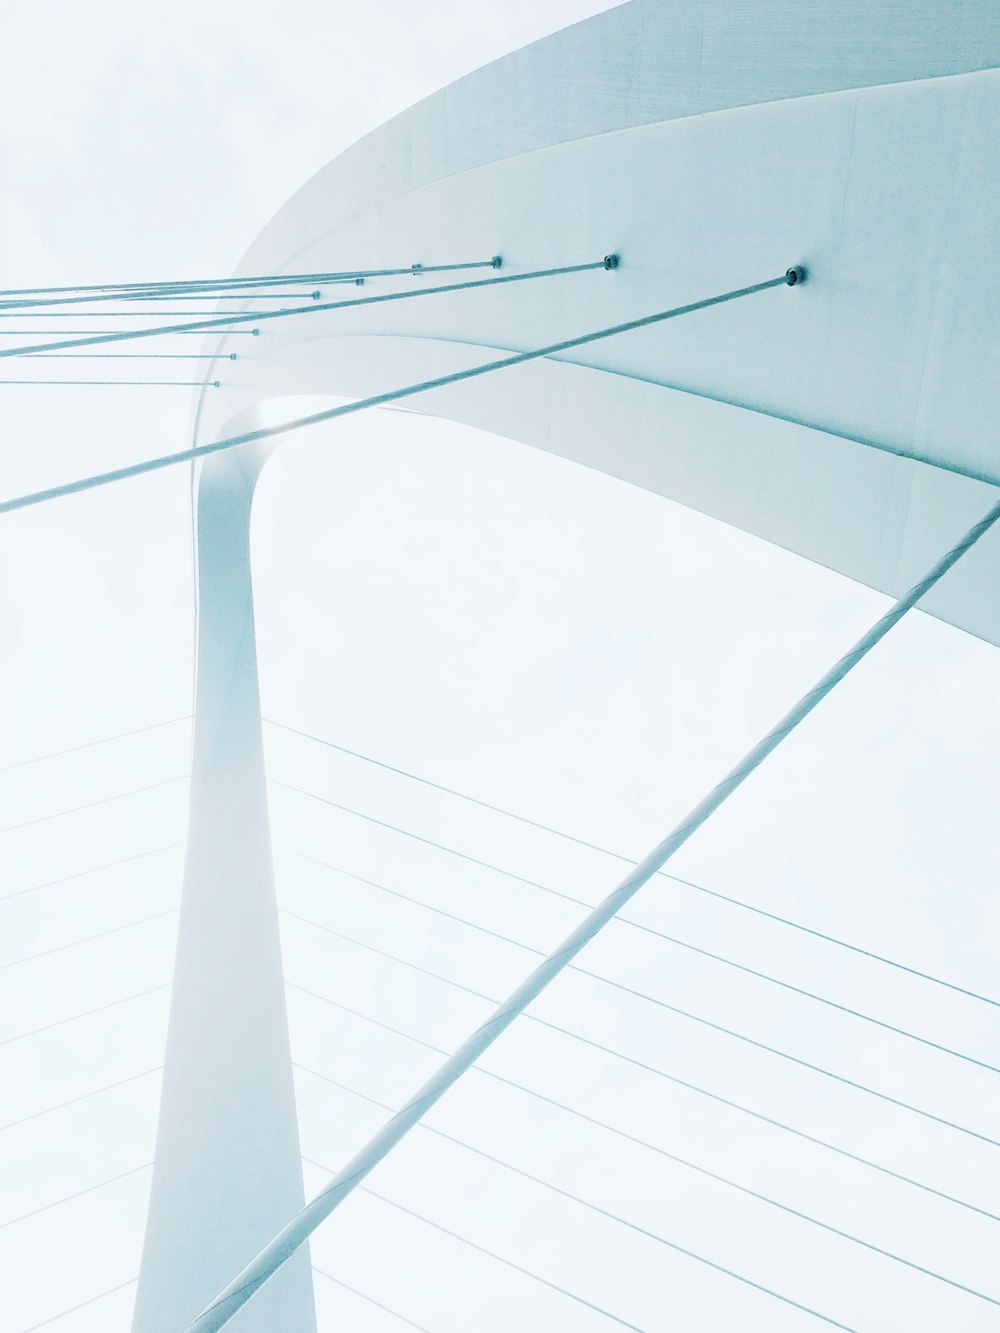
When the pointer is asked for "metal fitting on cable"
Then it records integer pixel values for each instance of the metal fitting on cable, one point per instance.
(496, 261)
(795, 275)
(611, 261)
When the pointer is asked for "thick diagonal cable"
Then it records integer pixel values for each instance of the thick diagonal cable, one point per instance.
(662, 1073)
(378, 400)
(266, 280)
(647, 1068)
(223, 321)
(287, 1241)
(651, 999)
(620, 856)
(678, 1161)
(679, 1249)
(619, 1055)
(632, 924)
(555, 1027)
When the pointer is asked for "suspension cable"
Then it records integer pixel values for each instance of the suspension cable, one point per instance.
(89, 939)
(394, 395)
(15, 309)
(57, 1203)
(619, 856)
(225, 321)
(130, 356)
(51, 333)
(568, 1032)
(91, 1300)
(492, 1254)
(662, 1073)
(533, 1018)
(83, 1097)
(267, 280)
(90, 805)
(92, 870)
(705, 1092)
(199, 294)
(273, 1255)
(631, 923)
(678, 1161)
(110, 384)
(587, 1041)
(363, 1295)
(85, 1013)
(652, 1069)
(690, 1254)
(90, 745)
(217, 317)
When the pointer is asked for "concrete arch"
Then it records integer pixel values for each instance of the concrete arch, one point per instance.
(712, 143)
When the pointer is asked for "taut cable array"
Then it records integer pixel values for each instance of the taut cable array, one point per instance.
(791, 277)
(217, 1314)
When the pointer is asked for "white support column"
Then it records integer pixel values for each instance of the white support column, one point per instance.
(228, 1172)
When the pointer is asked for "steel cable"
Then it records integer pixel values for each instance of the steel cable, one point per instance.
(255, 316)
(679, 1161)
(287, 1241)
(619, 856)
(378, 400)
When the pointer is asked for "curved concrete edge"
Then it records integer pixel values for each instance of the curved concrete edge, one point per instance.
(866, 514)
(652, 61)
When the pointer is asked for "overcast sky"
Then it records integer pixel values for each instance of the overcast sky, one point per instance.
(503, 622)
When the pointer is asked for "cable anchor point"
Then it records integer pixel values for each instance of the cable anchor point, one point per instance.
(611, 261)
(795, 275)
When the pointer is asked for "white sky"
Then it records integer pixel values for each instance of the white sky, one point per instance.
(508, 624)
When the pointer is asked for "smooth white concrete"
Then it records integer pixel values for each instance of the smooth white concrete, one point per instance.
(712, 144)
(227, 1168)
(887, 193)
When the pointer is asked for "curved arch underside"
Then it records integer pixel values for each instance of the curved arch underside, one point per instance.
(710, 154)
